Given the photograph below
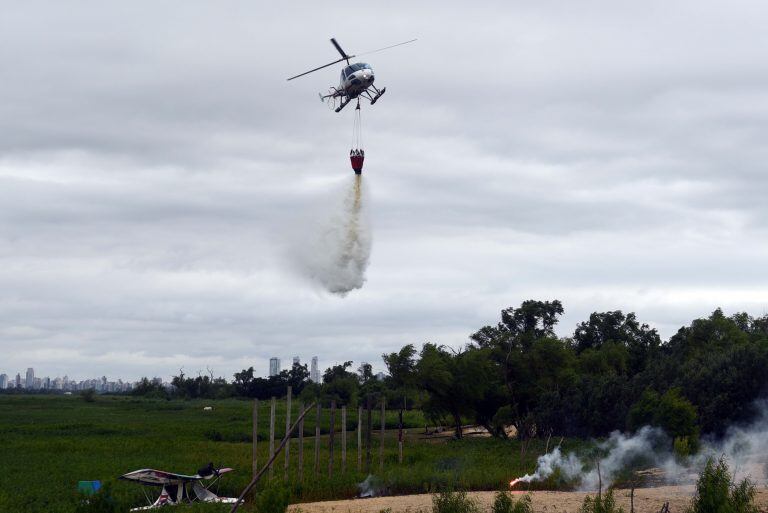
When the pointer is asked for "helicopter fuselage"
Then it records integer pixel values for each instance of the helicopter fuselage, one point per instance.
(355, 79)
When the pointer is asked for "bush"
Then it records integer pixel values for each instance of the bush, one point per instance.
(683, 447)
(453, 502)
(717, 493)
(600, 504)
(273, 499)
(88, 395)
(504, 503)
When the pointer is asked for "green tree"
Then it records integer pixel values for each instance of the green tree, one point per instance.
(640, 341)
(455, 381)
(671, 411)
(340, 385)
(717, 493)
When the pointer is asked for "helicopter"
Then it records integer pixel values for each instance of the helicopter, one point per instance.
(356, 79)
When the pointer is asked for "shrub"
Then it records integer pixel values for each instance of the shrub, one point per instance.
(717, 493)
(683, 447)
(600, 504)
(453, 502)
(273, 499)
(503, 502)
(88, 395)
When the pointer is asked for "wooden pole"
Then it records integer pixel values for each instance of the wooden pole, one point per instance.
(317, 440)
(599, 481)
(383, 427)
(343, 439)
(255, 436)
(400, 437)
(271, 436)
(287, 430)
(369, 429)
(331, 432)
(301, 446)
(269, 463)
(359, 438)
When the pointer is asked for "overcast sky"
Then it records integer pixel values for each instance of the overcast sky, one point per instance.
(156, 171)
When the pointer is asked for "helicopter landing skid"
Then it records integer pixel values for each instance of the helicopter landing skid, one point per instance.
(343, 104)
(378, 95)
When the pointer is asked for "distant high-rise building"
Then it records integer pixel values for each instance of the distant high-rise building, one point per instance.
(18, 380)
(296, 360)
(3, 381)
(274, 366)
(29, 383)
(314, 372)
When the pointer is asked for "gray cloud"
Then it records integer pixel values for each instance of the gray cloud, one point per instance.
(156, 170)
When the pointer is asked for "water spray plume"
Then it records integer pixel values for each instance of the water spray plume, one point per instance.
(336, 254)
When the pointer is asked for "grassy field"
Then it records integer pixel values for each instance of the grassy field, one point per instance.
(49, 443)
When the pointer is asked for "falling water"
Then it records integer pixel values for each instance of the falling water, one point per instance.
(335, 255)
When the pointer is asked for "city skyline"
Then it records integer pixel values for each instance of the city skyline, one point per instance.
(65, 383)
(8, 377)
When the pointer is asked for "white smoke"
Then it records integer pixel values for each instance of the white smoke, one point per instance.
(744, 447)
(335, 245)
(570, 466)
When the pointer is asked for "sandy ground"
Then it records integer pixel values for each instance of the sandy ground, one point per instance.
(647, 500)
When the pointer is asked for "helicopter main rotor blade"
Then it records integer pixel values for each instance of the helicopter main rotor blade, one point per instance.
(342, 52)
(385, 48)
(321, 67)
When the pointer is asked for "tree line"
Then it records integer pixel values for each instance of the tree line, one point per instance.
(613, 372)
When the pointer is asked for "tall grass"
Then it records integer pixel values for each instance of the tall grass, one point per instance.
(49, 443)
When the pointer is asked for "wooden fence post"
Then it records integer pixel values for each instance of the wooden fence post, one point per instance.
(343, 439)
(383, 427)
(369, 429)
(331, 431)
(255, 435)
(287, 430)
(269, 464)
(359, 438)
(271, 436)
(400, 437)
(301, 446)
(317, 439)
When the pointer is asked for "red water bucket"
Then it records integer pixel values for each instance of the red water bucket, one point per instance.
(357, 163)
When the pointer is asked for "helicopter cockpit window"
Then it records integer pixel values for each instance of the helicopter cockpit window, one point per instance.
(358, 66)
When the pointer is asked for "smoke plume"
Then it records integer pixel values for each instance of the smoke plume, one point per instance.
(335, 252)
(744, 447)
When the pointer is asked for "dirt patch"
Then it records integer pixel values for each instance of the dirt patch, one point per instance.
(647, 500)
